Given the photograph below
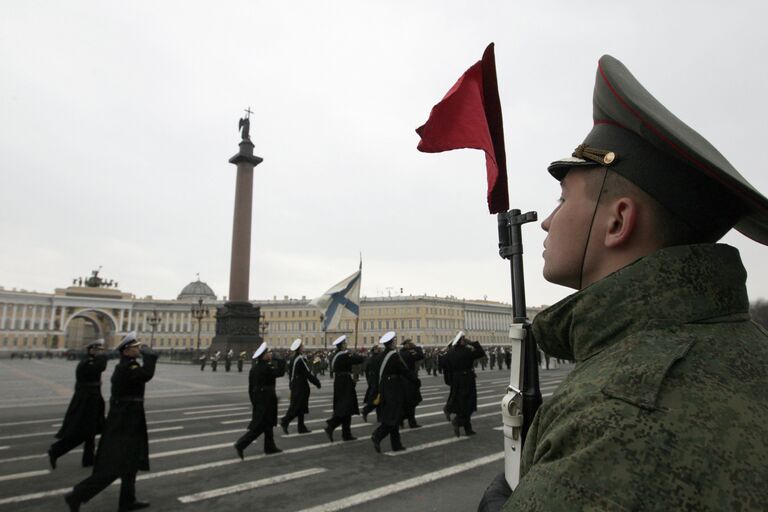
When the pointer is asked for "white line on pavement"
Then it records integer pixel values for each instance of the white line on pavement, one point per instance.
(149, 476)
(34, 496)
(426, 446)
(215, 493)
(4, 447)
(16, 476)
(195, 436)
(165, 429)
(37, 434)
(29, 422)
(364, 497)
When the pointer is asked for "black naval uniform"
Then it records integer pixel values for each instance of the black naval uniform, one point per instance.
(240, 362)
(344, 395)
(261, 390)
(299, 378)
(215, 361)
(371, 371)
(463, 397)
(442, 364)
(395, 377)
(124, 445)
(411, 356)
(85, 414)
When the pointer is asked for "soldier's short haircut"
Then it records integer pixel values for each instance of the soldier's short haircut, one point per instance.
(669, 228)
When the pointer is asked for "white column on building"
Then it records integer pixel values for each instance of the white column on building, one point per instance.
(23, 317)
(33, 317)
(130, 320)
(4, 315)
(53, 317)
(144, 321)
(13, 317)
(120, 321)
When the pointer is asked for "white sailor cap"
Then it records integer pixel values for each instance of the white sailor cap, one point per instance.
(96, 343)
(341, 339)
(131, 339)
(262, 348)
(457, 338)
(295, 345)
(388, 336)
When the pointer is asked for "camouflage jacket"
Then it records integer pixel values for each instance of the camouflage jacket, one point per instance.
(667, 405)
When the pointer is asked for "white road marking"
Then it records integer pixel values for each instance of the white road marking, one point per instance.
(215, 493)
(16, 476)
(4, 447)
(380, 492)
(149, 476)
(165, 429)
(222, 409)
(34, 496)
(29, 422)
(38, 434)
(426, 446)
(195, 436)
(23, 457)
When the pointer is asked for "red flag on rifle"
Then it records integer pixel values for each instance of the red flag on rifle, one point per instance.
(469, 116)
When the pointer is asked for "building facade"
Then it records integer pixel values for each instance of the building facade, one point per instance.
(72, 317)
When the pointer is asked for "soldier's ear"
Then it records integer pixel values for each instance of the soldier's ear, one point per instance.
(620, 222)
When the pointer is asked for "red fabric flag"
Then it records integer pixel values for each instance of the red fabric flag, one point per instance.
(469, 116)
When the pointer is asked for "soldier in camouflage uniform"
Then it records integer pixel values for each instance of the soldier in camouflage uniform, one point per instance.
(666, 407)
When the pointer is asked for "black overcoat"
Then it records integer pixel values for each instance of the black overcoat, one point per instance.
(124, 445)
(460, 361)
(85, 414)
(394, 379)
(261, 389)
(300, 377)
(371, 371)
(344, 394)
(413, 385)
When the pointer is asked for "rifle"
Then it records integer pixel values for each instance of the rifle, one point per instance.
(523, 398)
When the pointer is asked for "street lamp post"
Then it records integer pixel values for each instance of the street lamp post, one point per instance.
(154, 321)
(263, 327)
(322, 327)
(198, 313)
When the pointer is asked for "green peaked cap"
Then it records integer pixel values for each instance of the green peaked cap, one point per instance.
(637, 137)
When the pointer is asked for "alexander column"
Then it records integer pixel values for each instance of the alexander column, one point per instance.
(237, 321)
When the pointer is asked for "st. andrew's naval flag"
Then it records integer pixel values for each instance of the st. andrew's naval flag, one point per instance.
(341, 296)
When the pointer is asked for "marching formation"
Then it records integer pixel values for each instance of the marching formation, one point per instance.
(393, 393)
(394, 389)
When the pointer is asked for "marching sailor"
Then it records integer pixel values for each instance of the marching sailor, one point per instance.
(394, 376)
(299, 376)
(344, 395)
(124, 444)
(261, 390)
(463, 398)
(85, 414)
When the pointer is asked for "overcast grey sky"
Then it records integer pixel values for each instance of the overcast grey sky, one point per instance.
(118, 119)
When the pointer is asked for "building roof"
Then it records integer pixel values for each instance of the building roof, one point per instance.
(197, 290)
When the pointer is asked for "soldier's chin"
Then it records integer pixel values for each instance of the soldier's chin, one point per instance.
(560, 278)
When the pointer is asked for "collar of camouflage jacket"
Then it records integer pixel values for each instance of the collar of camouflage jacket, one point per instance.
(675, 285)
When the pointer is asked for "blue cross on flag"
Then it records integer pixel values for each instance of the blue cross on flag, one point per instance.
(344, 295)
